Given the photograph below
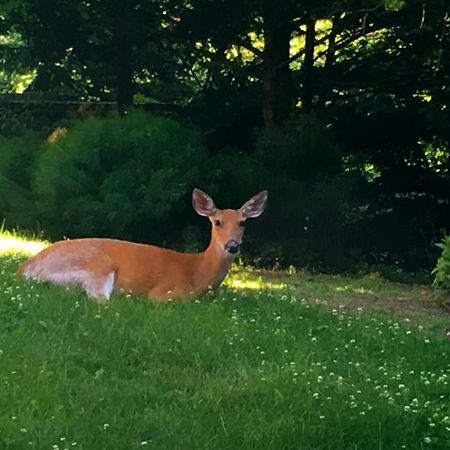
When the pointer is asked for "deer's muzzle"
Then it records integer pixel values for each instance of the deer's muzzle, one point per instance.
(232, 247)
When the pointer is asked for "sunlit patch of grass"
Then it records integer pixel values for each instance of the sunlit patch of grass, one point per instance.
(354, 289)
(335, 288)
(11, 242)
(243, 277)
(237, 282)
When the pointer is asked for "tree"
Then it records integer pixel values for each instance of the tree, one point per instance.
(95, 49)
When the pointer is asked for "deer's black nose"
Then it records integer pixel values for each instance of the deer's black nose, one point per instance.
(232, 247)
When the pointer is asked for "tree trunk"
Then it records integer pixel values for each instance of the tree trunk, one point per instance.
(123, 49)
(278, 98)
(42, 82)
(308, 67)
(329, 61)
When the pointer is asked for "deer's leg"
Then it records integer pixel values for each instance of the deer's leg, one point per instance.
(99, 286)
(99, 277)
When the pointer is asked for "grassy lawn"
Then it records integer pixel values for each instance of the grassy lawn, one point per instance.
(267, 362)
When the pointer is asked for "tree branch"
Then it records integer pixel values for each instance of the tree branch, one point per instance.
(249, 47)
(301, 53)
(445, 23)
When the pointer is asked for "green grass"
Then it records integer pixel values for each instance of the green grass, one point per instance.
(264, 368)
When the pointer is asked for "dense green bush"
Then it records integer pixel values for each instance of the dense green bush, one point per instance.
(309, 192)
(442, 270)
(309, 195)
(17, 165)
(302, 149)
(125, 177)
(132, 178)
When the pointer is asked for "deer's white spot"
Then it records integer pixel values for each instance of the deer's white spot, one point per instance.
(109, 285)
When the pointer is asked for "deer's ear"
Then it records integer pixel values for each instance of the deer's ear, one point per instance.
(255, 206)
(203, 203)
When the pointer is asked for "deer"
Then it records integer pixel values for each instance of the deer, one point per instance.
(100, 266)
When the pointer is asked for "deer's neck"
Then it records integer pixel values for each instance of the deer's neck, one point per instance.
(213, 267)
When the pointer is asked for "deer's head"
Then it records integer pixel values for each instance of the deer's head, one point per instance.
(228, 224)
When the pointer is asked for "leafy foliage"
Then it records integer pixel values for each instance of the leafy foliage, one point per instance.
(310, 194)
(442, 269)
(17, 165)
(118, 177)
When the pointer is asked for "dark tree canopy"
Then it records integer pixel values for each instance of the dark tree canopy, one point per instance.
(376, 74)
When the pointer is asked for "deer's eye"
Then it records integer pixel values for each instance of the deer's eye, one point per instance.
(242, 223)
(217, 223)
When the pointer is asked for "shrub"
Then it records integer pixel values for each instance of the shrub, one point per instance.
(310, 195)
(396, 274)
(302, 149)
(17, 164)
(125, 177)
(442, 270)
